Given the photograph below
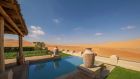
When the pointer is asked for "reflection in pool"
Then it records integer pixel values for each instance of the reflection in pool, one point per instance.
(53, 69)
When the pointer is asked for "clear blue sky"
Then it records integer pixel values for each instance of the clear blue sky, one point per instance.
(81, 21)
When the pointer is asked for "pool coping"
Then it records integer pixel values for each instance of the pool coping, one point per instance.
(35, 59)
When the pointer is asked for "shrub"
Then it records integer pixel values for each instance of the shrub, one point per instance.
(15, 49)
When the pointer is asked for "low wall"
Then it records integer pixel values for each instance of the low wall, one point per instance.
(113, 60)
(122, 63)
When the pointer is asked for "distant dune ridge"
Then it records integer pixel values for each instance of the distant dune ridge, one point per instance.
(14, 43)
(127, 50)
(123, 44)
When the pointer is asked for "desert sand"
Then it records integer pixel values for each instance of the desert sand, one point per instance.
(14, 43)
(126, 50)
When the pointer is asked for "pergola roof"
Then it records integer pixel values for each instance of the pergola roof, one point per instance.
(14, 22)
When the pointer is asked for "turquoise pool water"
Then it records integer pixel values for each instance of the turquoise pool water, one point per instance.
(53, 69)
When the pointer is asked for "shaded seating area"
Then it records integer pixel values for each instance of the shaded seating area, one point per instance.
(11, 22)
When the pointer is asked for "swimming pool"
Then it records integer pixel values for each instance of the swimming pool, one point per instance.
(55, 68)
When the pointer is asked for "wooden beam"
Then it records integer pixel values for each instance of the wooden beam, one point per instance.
(8, 32)
(11, 1)
(17, 15)
(7, 5)
(10, 28)
(10, 21)
(13, 15)
(22, 20)
(20, 57)
(2, 64)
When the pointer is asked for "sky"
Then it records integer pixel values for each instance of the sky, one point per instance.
(81, 21)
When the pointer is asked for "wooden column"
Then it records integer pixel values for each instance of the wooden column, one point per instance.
(2, 64)
(20, 57)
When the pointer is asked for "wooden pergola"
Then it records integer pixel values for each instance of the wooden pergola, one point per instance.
(11, 22)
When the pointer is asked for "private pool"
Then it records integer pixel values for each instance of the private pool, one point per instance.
(55, 68)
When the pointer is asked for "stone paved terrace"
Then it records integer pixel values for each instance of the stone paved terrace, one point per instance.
(78, 74)
(74, 75)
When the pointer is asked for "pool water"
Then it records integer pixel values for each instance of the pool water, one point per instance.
(55, 68)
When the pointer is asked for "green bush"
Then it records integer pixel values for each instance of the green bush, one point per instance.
(15, 49)
(10, 55)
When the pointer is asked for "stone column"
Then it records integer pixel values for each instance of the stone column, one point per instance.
(20, 56)
(2, 64)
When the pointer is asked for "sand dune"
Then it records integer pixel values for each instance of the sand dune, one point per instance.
(106, 52)
(127, 50)
(14, 43)
(123, 44)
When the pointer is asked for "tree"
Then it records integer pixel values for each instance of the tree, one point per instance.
(39, 45)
